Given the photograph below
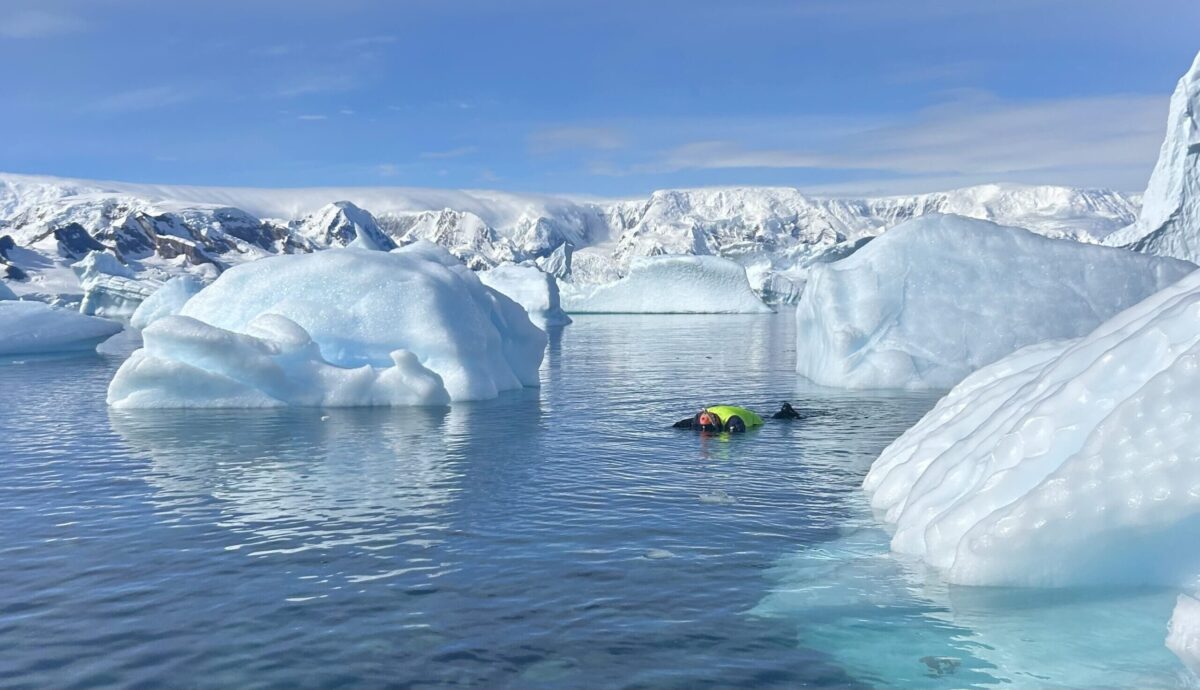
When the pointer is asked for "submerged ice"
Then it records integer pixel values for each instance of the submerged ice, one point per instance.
(935, 298)
(336, 328)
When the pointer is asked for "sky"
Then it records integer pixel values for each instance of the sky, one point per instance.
(615, 98)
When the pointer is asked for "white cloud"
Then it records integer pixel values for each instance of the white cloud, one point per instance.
(553, 139)
(452, 153)
(973, 136)
(39, 24)
(312, 117)
(141, 99)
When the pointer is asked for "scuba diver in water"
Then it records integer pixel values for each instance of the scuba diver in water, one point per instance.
(731, 419)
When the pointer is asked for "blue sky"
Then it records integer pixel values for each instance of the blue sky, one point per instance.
(606, 98)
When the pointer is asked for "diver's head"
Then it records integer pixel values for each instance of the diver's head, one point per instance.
(707, 421)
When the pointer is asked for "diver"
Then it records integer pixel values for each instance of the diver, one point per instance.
(731, 419)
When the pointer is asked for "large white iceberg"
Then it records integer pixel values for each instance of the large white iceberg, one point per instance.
(670, 284)
(530, 287)
(937, 297)
(335, 328)
(28, 327)
(166, 300)
(1065, 463)
(1169, 222)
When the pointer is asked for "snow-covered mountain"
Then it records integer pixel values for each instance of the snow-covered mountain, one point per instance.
(161, 231)
(1169, 223)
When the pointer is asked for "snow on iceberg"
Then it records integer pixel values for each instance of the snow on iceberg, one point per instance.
(166, 301)
(530, 287)
(28, 327)
(1069, 463)
(672, 284)
(937, 297)
(1169, 222)
(336, 328)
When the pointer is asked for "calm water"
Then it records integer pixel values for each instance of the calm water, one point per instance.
(559, 537)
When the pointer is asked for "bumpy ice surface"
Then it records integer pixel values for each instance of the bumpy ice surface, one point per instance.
(670, 285)
(166, 301)
(935, 298)
(335, 328)
(530, 287)
(1066, 463)
(28, 327)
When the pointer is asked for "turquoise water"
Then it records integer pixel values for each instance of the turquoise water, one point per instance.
(557, 537)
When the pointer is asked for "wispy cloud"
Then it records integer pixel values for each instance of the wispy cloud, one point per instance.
(312, 117)
(974, 135)
(554, 139)
(364, 41)
(387, 170)
(39, 24)
(316, 84)
(452, 153)
(142, 99)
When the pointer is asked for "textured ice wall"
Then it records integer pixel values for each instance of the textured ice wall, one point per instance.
(338, 328)
(1065, 463)
(935, 298)
(530, 287)
(674, 284)
(28, 327)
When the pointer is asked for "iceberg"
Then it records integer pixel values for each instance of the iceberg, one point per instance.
(530, 287)
(343, 327)
(28, 327)
(110, 288)
(166, 301)
(1169, 222)
(6, 292)
(1183, 632)
(1066, 463)
(937, 297)
(672, 284)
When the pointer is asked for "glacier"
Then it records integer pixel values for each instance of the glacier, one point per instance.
(161, 231)
(669, 284)
(1067, 463)
(530, 287)
(344, 327)
(34, 328)
(938, 297)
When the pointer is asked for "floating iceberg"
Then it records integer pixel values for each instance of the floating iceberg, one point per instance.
(336, 328)
(937, 297)
(1183, 632)
(677, 284)
(530, 287)
(1169, 222)
(166, 301)
(110, 288)
(38, 328)
(1063, 464)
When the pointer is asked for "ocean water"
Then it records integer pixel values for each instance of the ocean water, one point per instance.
(560, 537)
